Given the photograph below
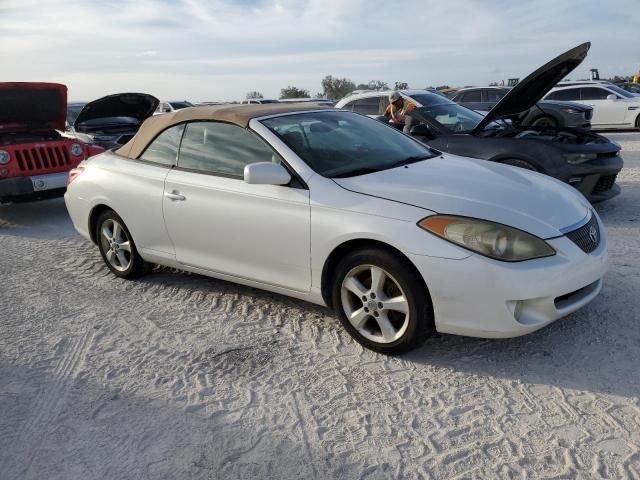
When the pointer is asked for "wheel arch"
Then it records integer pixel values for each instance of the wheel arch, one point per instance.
(95, 213)
(332, 261)
(500, 158)
(543, 114)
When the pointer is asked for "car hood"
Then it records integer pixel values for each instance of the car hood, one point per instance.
(454, 185)
(531, 90)
(29, 106)
(134, 105)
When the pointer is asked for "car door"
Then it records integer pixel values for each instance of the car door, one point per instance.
(220, 223)
(605, 111)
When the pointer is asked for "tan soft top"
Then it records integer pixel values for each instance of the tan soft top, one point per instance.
(240, 115)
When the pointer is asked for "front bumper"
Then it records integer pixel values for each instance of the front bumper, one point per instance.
(596, 179)
(37, 187)
(481, 297)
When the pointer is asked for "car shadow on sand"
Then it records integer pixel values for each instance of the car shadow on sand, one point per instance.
(46, 219)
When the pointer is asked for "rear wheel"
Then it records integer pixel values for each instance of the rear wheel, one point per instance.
(516, 162)
(381, 301)
(544, 121)
(638, 122)
(117, 247)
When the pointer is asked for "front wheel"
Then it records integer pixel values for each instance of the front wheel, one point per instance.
(382, 302)
(117, 247)
(544, 121)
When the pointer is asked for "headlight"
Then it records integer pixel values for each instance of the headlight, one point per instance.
(487, 238)
(579, 157)
(4, 157)
(76, 149)
(573, 111)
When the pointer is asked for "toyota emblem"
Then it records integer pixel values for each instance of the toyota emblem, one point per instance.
(593, 234)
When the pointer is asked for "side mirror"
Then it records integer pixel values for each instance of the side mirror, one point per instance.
(611, 96)
(266, 173)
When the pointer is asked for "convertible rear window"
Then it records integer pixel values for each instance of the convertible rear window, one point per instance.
(343, 144)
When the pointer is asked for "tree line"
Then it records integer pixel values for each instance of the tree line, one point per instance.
(333, 88)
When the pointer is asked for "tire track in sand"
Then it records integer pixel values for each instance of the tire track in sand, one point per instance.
(47, 406)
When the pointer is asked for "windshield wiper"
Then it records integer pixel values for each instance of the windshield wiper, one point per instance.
(413, 159)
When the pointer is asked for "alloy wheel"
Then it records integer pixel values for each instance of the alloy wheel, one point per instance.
(116, 245)
(375, 304)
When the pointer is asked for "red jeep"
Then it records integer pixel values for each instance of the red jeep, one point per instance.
(35, 156)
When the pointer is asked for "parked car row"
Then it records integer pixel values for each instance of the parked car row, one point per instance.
(585, 160)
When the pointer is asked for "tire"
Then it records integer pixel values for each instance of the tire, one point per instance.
(516, 162)
(117, 248)
(638, 122)
(544, 121)
(352, 282)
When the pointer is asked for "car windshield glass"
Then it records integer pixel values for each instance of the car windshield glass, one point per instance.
(620, 91)
(263, 101)
(343, 144)
(426, 99)
(72, 113)
(452, 117)
(179, 105)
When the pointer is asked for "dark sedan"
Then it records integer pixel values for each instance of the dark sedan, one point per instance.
(588, 161)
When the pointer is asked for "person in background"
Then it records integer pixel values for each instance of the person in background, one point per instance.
(397, 109)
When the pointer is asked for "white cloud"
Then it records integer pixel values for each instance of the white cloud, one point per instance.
(219, 49)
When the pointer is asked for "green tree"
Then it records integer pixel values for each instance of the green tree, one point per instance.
(294, 92)
(254, 95)
(401, 86)
(373, 85)
(335, 88)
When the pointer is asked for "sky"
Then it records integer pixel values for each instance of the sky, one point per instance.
(212, 50)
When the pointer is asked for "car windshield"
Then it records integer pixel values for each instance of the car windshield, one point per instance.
(72, 113)
(180, 105)
(452, 117)
(621, 91)
(427, 99)
(263, 101)
(340, 144)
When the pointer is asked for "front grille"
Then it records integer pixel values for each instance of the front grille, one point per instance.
(604, 184)
(587, 237)
(588, 114)
(33, 159)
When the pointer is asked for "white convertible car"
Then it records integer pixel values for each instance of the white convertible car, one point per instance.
(341, 210)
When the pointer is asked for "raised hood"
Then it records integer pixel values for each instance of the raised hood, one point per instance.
(31, 106)
(453, 185)
(531, 90)
(134, 105)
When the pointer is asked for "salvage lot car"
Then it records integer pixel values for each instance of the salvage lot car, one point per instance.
(111, 121)
(613, 107)
(338, 209)
(585, 160)
(34, 155)
(542, 114)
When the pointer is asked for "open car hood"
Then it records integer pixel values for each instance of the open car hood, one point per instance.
(134, 105)
(32, 106)
(535, 86)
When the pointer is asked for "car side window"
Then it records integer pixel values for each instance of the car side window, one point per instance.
(473, 96)
(494, 95)
(367, 106)
(570, 94)
(164, 148)
(594, 93)
(221, 148)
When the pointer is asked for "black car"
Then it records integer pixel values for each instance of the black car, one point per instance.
(585, 160)
(110, 121)
(546, 113)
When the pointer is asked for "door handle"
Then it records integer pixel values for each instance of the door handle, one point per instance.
(174, 196)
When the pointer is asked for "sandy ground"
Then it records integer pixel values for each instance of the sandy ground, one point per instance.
(178, 376)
